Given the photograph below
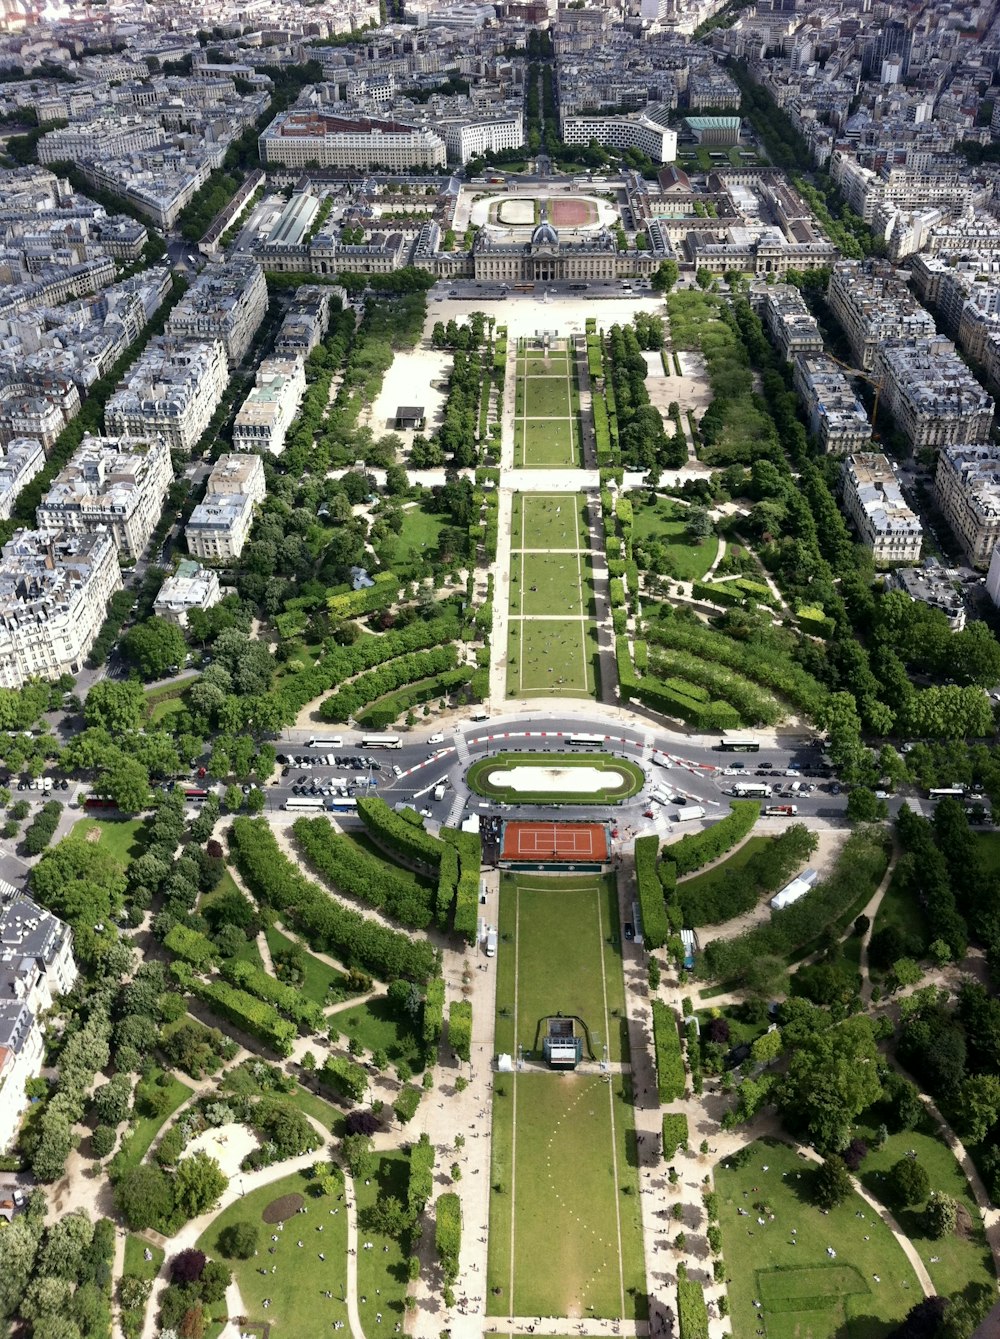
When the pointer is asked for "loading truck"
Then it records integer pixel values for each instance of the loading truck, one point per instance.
(689, 813)
(780, 811)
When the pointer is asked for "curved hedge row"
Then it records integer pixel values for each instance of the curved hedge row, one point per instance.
(346, 702)
(307, 1016)
(704, 715)
(324, 923)
(670, 1074)
(714, 900)
(755, 705)
(261, 1020)
(700, 848)
(353, 871)
(393, 831)
(388, 709)
(655, 926)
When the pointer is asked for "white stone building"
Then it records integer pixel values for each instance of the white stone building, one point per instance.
(172, 390)
(226, 302)
(23, 459)
(968, 489)
(269, 409)
(219, 526)
(875, 505)
(190, 587)
(298, 137)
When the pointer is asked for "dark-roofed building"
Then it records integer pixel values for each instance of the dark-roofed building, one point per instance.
(410, 416)
(673, 178)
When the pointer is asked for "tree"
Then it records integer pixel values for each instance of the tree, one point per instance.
(215, 1279)
(134, 1291)
(198, 1184)
(103, 1140)
(767, 1047)
(144, 1197)
(977, 1107)
(233, 799)
(923, 1321)
(113, 1099)
(358, 1154)
(154, 647)
(940, 1214)
(387, 1216)
(831, 1183)
(665, 276)
(864, 806)
(187, 1266)
(18, 1247)
(908, 1182)
(831, 1078)
(65, 1243)
(905, 972)
(126, 781)
(116, 706)
(699, 525)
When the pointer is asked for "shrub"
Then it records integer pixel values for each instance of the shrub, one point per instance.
(701, 848)
(421, 1181)
(354, 871)
(692, 1314)
(460, 1028)
(675, 1132)
(41, 829)
(406, 1103)
(655, 926)
(448, 1233)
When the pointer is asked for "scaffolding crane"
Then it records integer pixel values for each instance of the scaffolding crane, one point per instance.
(865, 376)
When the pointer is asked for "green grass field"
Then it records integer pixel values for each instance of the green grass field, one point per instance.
(297, 1289)
(806, 1293)
(140, 1138)
(551, 658)
(377, 1027)
(317, 977)
(382, 1284)
(546, 443)
(575, 1242)
(625, 778)
(549, 521)
(119, 836)
(665, 523)
(548, 396)
(552, 584)
(547, 404)
(899, 908)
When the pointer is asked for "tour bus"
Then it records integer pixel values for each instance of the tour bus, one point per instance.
(305, 802)
(97, 802)
(754, 789)
(334, 742)
(381, 742)
(939, 792)
(342, 804)
(738, 746)
(585, 741)
(195, 794)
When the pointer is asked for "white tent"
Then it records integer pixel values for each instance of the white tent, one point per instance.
(791, 892)
(505, 1064)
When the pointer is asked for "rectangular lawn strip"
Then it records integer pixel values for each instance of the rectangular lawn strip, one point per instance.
(962, 1257)
(137, 1143)
(614, 975)
(559, 584)
(548, 397)
(298, 1286)
(137, 1265)
(317, 978)
(566, 1255)
(501, 1191)
(562, 933)
(121, 837)
(629, 1205)
(566, 647)
(806, 1287)
(989, 849)
(549, 442)
(377, 1027)
(549, 521)
(382, 1279)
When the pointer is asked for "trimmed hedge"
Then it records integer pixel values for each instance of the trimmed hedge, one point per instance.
(355, 602)
(353, 871)
(447, 886)
(391, 830)
(345, 1077)
(670, 1074)
(700, 848)
(287, 999)
(366, 689)
(675, 1132)
(470, 859)
(655, 926)
(388, 709)
(737, 891)
(261, 1020)
(324, 923)
(433, 1024)
(706, 715)
(627, 681)
(421, 1182)
(448, 1233)
(754, 704)
(406, 1103)
(692, 1313)
(460, 1028)
(191, 945)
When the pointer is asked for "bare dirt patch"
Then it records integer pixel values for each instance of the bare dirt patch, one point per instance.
(572, 212)
(93, 835)
(283, 1208)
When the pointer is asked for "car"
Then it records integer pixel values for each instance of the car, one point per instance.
(436, 739)
(285, 770)
(397, 770)
(64, 784)
(426, 813)
(629, 931)
(18, 1198)
(22, 785)
(835, 789)
(881, 795)
(280, 758)
(680, 799)
(648, 813)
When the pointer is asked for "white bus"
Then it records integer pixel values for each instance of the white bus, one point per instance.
(305, 802)
(381, 742)
(754, 789)
(939, 792)
(334, 742)
(585, 741)
(342, 804)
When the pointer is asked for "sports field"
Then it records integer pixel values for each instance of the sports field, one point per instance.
(546, 406)
(565, 1227)
(805, 1292)
(552, 638)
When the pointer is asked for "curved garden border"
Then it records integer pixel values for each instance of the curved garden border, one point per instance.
(477, 778)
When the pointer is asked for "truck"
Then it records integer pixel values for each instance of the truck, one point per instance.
(687, 815)
(439, 790)
(491, 941)
(755, 789)
(780, 811)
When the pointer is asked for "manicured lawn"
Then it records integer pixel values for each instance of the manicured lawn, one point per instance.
(953, 1261)
(137, 1264)
(317, 977)
(549, 521)
(548, 397)
(378, 1028)
(721, 874)
(170, 706)
(899, 908)
(329, 1116)
(989, 849)
(120, 836)
(624, 778)
(554, 658)
(553, 584)
(297, 1288)
(547, 443)
(382, 1282)
(136, 1144)
(666, 524)
(804, 1291)
(567, 1195)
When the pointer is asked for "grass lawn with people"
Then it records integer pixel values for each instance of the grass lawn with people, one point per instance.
(297, 1288)
(551, 584)
(548, 397)
(382, 1279)
(551, 658)
(549, 521)
(545, 443)
(840, 1275)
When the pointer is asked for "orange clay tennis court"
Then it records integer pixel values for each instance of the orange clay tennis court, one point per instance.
(569, 842)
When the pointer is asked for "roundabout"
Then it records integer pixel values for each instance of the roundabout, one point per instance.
(545, 778)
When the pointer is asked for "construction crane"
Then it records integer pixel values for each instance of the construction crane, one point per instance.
(865, 376)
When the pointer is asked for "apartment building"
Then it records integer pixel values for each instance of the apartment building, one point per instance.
(36, 966)
(54, 590)
(792, 328)
(872, 307)
(103, 137)
(299, 138)
(967, 482)
(836, 416)
(640, 131)
(875, 506)
(219, 526)
(468, 137)
(307, 321)
(191, 587)
(23, 459)
(171, 391)
(119, 483)
(933, 397)
(226, 302)
(269, 409)
(710, 86)
(37, 405)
